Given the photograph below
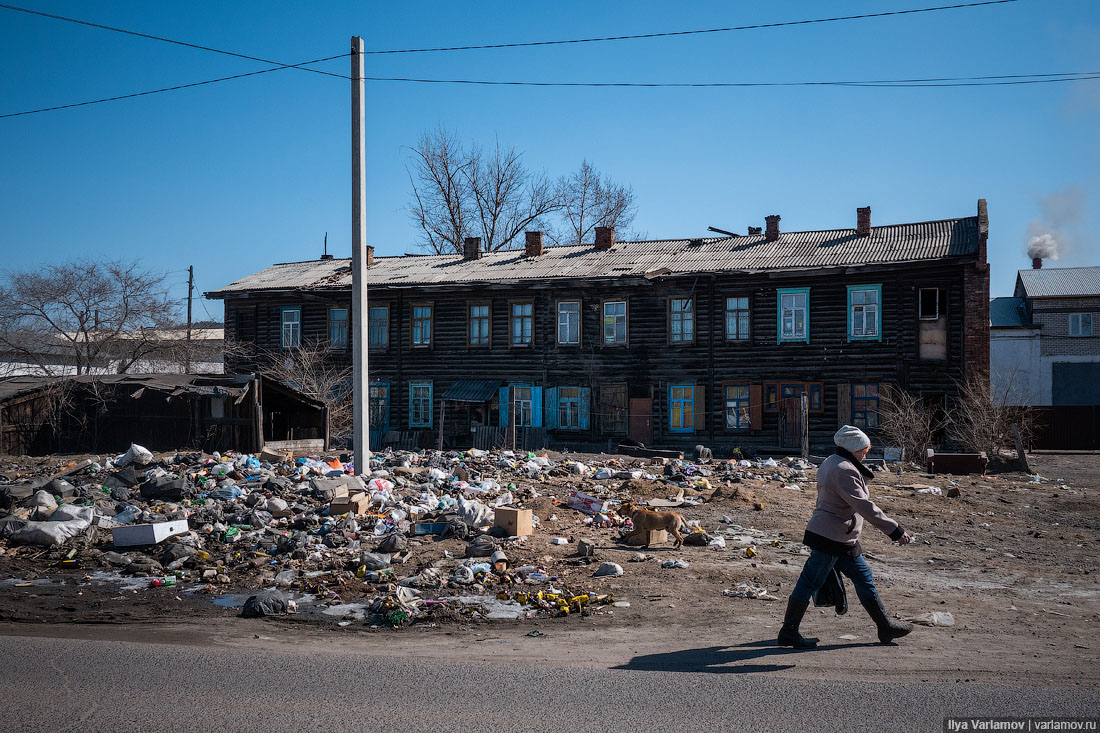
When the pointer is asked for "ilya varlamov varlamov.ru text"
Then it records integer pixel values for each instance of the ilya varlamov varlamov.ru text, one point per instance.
(1023, 724)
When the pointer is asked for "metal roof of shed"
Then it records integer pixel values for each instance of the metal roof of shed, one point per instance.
(794, 250)
(1007, 313)
(1054, 282)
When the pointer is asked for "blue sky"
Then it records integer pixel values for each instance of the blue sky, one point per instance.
(232, 177)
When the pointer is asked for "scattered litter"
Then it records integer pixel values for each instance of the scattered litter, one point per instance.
(674, 564)
(744, 590)
(934, 618)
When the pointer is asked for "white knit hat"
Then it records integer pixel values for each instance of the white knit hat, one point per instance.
(851, 439)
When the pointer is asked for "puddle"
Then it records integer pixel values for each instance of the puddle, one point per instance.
(493, 607)
(231, 600)
(9, 582)
(124, 582)
(357, 611)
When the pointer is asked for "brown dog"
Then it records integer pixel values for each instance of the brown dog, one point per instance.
(648, 520)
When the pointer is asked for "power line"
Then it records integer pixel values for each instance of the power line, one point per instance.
(885, 83)
(666, 34)
(169, 40)
(170, 89)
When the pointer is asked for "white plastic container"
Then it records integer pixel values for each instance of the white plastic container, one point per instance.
(147, 534)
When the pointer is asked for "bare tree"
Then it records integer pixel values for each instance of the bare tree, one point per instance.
(982, 420)
(908, 422)
(311, 370)
(589, 200)
(83, 316)
(460, 191)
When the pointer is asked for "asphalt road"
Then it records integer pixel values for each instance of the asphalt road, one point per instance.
(72, 684)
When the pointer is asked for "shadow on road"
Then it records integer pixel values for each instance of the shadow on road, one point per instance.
(723, 659)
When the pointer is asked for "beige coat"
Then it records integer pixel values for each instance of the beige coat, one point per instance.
(843, 502)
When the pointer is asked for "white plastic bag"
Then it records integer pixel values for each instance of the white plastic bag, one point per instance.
(137, 454)
(48, 533)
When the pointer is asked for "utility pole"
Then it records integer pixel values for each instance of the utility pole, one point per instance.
(359, 263)
(190, 288)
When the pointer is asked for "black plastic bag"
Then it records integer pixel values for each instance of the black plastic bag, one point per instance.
(832, 593)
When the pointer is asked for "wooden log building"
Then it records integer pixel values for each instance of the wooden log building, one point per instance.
(670, 343)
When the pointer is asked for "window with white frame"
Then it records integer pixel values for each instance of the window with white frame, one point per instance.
(681, 321)
(864, 315)
(422, 325)
(929, 304)
(569, 322)
(479, 324)
(420, 405)
(1080, 324)
(522, 323)
(737, 318)
(378, 327)
(614, 322)
(569, 407)
(523, 406)
(291, 328)
(338, 328)
(794, 317)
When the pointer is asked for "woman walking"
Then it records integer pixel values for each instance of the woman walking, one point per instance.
(832, 535)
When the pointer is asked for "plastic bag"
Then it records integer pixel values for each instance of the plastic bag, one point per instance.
(136, 454)
(68, 511)
(48, 533)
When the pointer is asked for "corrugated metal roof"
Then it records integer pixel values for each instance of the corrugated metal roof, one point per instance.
(471, 390)
(1007, 313)
(1053, 282)
(794, 250)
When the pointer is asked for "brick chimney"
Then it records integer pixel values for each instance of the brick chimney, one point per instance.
(755, 230)
(605, 237)
(863, 221)
(471, 248)
(533, 243)
(370, 255)
(1036, 263)
(772, 224)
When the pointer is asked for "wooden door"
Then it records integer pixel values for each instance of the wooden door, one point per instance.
(641, 419)
(793, 423)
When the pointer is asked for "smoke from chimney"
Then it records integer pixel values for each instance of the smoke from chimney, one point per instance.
(1042, 246)
(1052, 234)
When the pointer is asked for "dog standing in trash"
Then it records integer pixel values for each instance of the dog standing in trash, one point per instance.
(649, 521)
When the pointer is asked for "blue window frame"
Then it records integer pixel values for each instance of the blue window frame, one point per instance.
(865, 405)
(422, 325)
(338, 328)
(378, 327)
(793, 311)
(737, 407)
(420, 405)
(524, 402)
(681, 408)
(291, 327)
(865, 312)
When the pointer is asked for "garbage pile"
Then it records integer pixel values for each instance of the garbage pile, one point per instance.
(307, 531)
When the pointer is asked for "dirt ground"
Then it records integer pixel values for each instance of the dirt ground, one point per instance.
(1013, 560)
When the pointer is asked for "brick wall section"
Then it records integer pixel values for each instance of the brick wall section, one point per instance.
(1052, 314)
(976, 305)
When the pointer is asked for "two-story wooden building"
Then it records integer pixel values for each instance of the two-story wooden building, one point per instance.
(671, 343)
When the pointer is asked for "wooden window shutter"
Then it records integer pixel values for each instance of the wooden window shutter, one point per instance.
(700, 408)
(843, 404)
(756, 406)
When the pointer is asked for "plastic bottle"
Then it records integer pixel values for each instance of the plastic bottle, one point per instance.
(166, 580)
(127, 515)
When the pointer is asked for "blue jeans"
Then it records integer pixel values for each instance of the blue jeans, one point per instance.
(817, 570)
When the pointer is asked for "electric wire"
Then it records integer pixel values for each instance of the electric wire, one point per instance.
(169, 40)
(167, 89)
(666, 34)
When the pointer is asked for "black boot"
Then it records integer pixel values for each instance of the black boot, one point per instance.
(788, 635)
(888, 629)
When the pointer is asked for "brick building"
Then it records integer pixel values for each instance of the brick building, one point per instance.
(761, 341)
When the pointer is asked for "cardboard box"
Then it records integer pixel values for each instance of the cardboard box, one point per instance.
(646, 537)
(356, 504)
(147, 534)
(275, 456)
(516, 522)
(335, 488)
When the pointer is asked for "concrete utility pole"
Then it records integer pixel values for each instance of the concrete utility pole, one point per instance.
(359, 261)
(190, 288)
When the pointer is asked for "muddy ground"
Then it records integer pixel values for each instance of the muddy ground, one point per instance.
(1014, 561)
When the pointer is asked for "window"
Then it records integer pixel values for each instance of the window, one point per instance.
(569, 407)
(775, 392)
(420, 405)
(681, 321)
(523, 406)
(422, 325)
(522, 323)
(681, 409)
(378, 327)
(864, 314)
(929, 305)
(865, 405)
(737, 407)
(614, 322)
(1080, 324)
(613, 408)
(794, 316)
(379, 405)
(479, 325)
(338, 328)
(291, 327)
(737, 318)
(569, 322)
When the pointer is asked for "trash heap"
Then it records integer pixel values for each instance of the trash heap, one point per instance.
(307, 532)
